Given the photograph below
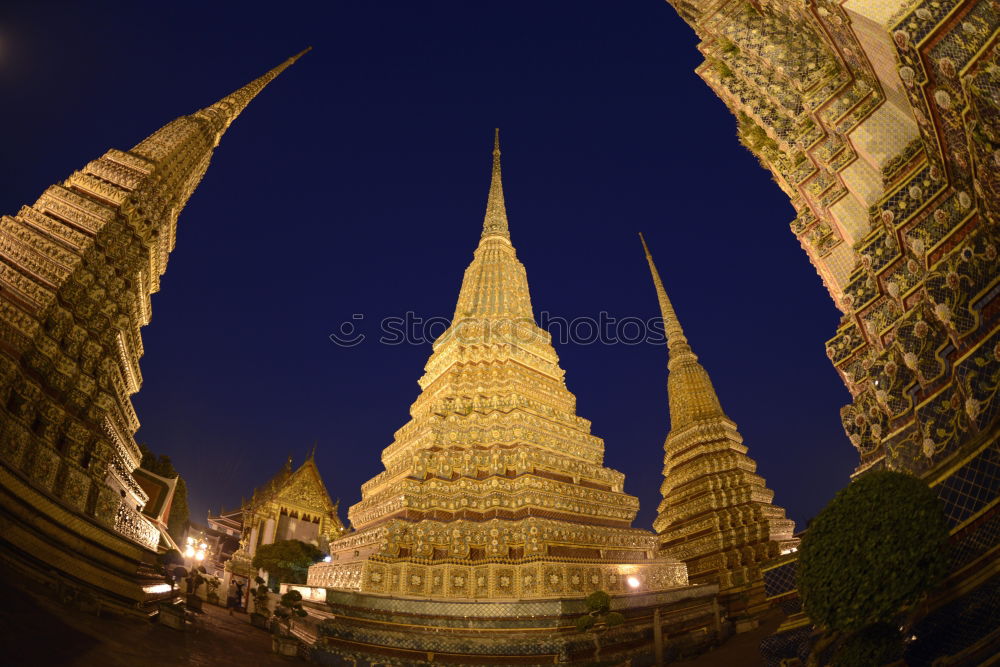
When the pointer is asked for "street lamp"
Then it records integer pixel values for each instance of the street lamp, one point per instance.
(195, 549)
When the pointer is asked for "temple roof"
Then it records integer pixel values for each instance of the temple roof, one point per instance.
(302, 487)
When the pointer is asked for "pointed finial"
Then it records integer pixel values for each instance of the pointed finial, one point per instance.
(677, 343)
(689, 389)
(224, 112)
(312, 454)
(495, 222)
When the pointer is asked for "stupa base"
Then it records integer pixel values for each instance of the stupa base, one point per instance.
(347, 627)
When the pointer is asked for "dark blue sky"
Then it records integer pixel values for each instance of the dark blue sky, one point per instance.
(356, 183)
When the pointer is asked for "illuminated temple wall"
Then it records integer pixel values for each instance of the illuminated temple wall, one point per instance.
(881, 122)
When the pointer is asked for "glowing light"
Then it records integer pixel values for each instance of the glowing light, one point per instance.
(157, 588)
(200, 555)
(189, 552)
(633, 582)
(789, 551)
(327, 559)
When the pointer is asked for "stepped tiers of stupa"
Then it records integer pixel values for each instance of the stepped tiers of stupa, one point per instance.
(495, 488)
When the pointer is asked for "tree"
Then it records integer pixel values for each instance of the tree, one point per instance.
(879, 545)
(177, 522)
(287, 560)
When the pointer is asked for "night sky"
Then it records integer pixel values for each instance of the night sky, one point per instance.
(356, 184)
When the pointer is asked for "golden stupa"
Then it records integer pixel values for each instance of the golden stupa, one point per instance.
(495, 488)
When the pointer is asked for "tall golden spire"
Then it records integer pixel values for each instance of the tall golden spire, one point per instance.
(716, 513)
(495, 283)
(677, 343)
(691, 394)
(225, 111)
(495, 222)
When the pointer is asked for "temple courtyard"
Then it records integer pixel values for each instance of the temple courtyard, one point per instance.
(41, 631)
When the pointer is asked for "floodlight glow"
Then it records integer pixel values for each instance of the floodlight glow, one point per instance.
(633, 582)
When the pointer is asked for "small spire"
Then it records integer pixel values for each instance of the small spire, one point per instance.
(312, 454)
(690, 392)
(495, 222)
(677, 343)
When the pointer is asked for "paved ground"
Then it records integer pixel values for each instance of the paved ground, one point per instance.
(40, 631)
(37, 630)
(740, 650)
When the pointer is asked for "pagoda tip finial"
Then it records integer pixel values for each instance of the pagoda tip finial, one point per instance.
(677, 343)
(495, 223)
(301, 53)
(644, 246)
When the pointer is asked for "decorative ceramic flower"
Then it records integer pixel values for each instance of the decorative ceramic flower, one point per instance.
(887, 216)
(943, 312)
(942, 98)
(940, 216)
(920, 329)
(876, 431)
(928, 447)
(917, 246)
(964, 200)
(924, 14)
(972, 408)
(907, 75)
(947, 67)
(915, 192)
(910, 359)
(902, 38)
(951, 279)
(892, 288)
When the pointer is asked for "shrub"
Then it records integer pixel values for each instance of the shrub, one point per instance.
(879, 545)
(598, 601)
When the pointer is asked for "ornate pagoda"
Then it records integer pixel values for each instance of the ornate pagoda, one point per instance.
(77, 269)
(716, 513)
(292, 505)
(495, 488)
(495, 516)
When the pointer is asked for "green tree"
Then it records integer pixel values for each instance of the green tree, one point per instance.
(177, 522)
(878, 546)
(287, 561)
